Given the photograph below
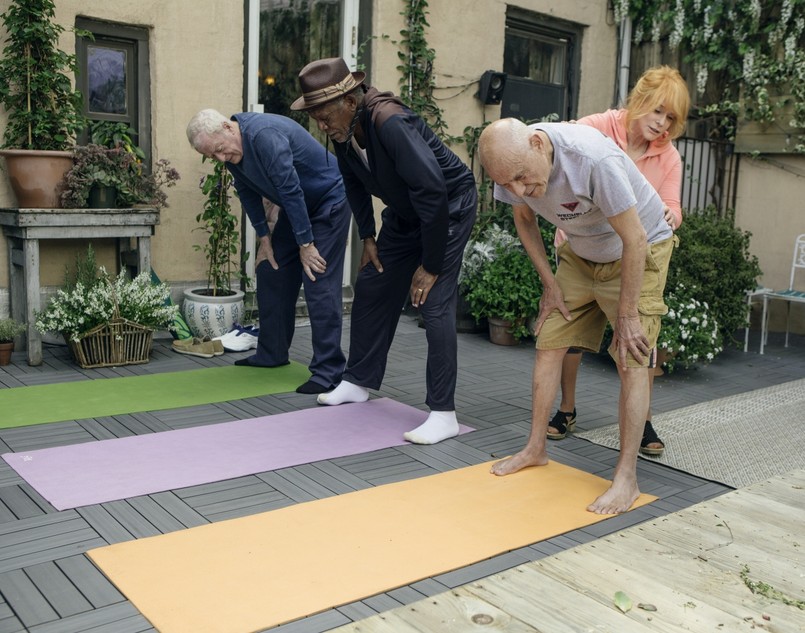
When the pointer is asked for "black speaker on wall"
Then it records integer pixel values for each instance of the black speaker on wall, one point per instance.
(491, 87)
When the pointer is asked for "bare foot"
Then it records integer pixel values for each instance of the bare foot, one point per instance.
(619, 498)
(516, 462)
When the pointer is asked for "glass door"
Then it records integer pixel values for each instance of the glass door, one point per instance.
(293, 33)
(284, 36)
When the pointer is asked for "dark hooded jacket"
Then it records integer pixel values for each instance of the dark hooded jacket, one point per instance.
(410, 170)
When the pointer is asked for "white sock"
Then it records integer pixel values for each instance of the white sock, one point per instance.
(439, 426)
(344, 392)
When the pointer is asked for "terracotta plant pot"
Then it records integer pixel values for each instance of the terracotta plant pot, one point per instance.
(500, 332)
(5, 352)
(37, 176)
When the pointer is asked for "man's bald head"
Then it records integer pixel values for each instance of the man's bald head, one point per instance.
(504, 143)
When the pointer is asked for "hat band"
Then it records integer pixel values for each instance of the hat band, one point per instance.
(325, 94)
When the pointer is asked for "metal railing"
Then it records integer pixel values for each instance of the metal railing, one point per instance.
(710, 174)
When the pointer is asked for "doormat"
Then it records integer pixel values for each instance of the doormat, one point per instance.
(738, 440)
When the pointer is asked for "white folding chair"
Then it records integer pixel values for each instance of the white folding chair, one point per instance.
(789, 296)
(751, 297)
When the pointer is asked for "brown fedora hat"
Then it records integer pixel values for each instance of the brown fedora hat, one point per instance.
(325, 80)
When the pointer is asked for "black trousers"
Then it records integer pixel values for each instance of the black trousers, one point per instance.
(380, 299)
(278, 290)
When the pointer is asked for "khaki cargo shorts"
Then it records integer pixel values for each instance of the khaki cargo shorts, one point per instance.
(592, 291)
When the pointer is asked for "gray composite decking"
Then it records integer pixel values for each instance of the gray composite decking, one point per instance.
(47, 585)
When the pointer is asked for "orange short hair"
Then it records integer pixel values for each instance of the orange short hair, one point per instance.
(660, 86)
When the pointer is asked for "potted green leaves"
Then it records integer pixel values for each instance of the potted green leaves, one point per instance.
(499, 282)
(96, 166)
(9, 330)
(95, 178)
(212, 311)
(44, 111)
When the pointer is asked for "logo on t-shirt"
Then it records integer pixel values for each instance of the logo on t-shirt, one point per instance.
(570, 206)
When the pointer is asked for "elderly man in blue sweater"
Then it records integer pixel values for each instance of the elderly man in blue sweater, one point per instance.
(274, 158)
(386, 151)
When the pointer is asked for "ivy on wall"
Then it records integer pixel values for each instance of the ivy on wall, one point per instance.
(751, 51)
(416, 67)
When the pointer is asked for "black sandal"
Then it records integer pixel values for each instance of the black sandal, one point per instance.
(650, 437)
(563, 422)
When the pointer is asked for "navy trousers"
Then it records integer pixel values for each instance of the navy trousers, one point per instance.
(278, 290)
(380, 299)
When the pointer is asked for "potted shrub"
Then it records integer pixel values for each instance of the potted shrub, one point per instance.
(108, 321)
(120, 170)
(9, 330)
(713, 256)
(44, 111)
(499, 282)
(212, 311)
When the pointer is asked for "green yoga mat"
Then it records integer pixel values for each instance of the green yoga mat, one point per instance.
(23, 406)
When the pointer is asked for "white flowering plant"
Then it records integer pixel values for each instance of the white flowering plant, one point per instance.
(498, 280)
(689, 333)
(76, 310)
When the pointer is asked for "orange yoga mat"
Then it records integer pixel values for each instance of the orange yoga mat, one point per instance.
(255, 572)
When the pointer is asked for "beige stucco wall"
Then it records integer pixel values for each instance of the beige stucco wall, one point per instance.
(769, 205)
(468, 38)
(196, 58)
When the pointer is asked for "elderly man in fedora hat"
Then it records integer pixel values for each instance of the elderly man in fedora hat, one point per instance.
(272, 157)
(386, 150)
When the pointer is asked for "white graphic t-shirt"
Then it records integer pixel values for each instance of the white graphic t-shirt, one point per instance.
(592, 179)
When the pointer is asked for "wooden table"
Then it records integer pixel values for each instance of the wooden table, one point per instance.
(24, 228)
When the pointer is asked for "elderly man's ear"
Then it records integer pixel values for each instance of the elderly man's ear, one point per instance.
(536, 141)
(350, 102)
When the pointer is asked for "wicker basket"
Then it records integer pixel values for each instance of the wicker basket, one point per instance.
(117, 342)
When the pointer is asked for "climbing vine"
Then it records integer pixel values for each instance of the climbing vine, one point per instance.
(416, 67)
(751, 51)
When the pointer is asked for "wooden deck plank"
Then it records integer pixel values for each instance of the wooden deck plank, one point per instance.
(332, 470)
(178, 509)
(295, 493)
(305, 483)
(135, 523)
(116, 618)
(156, 514)
(16, 540)
(243, 506)
(61, 546)
(434, 458)
(335, 479)
(19, 503)
(314, 624)
(226, 485)
(89, 580)
(247, 488)
(462, 613)
(60, 594)
(24, 598)
(688, 565)
(105, 524)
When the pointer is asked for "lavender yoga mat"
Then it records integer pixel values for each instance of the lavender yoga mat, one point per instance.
(108, 470)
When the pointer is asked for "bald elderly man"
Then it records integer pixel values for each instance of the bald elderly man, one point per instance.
(612, 268)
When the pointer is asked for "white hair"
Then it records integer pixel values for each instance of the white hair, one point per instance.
(207, 121)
